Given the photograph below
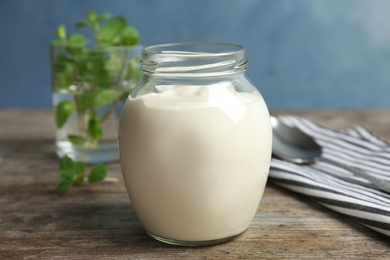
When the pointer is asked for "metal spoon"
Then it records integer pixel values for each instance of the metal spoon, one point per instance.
(293, 145)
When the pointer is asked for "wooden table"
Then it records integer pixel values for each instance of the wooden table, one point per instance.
(98, 222)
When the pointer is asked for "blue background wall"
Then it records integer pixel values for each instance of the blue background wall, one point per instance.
(303, 53)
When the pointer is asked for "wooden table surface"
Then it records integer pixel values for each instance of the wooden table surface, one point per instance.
(98, 222)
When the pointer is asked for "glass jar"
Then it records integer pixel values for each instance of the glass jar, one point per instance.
(195, 143)
(89, 89)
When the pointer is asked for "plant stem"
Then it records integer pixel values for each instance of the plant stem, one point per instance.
(110, 111)
(122, 68)
(80, 114)
(97, 34)
(80, 117)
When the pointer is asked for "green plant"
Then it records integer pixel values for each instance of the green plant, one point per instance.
(75, 173)
(96, 76)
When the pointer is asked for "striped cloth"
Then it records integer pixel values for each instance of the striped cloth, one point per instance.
(334, 187)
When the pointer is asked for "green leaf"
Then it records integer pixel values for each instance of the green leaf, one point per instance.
(130, 36)
(77, 41)
(80, 172)
(104, 16)
(77, 140)
(104, 44)
(112, 28)
(91, 17)
(67, 164)
(62, 111)
(64, 64)
(63, 187)
(65, 176)
(80, 168)
(81, 24)
(61, 32)
(94, 129)
(63, 71)
(98, 173)
(106, 97)
(76, 44)
(87, 98)
(133, 71)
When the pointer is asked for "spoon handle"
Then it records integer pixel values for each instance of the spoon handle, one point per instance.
(377, 182)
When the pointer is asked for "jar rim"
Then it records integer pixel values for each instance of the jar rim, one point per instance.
(163, 49)
(185, 59)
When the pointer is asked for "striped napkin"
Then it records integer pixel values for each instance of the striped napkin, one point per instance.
(335, 187)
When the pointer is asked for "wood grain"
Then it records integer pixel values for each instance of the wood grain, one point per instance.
(98, 222)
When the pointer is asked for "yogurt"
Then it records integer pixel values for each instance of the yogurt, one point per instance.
(195, 160)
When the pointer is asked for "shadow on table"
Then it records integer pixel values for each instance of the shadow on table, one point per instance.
(112, 222)
(113, 225)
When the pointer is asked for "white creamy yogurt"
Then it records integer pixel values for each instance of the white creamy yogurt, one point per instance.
(195, 160)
